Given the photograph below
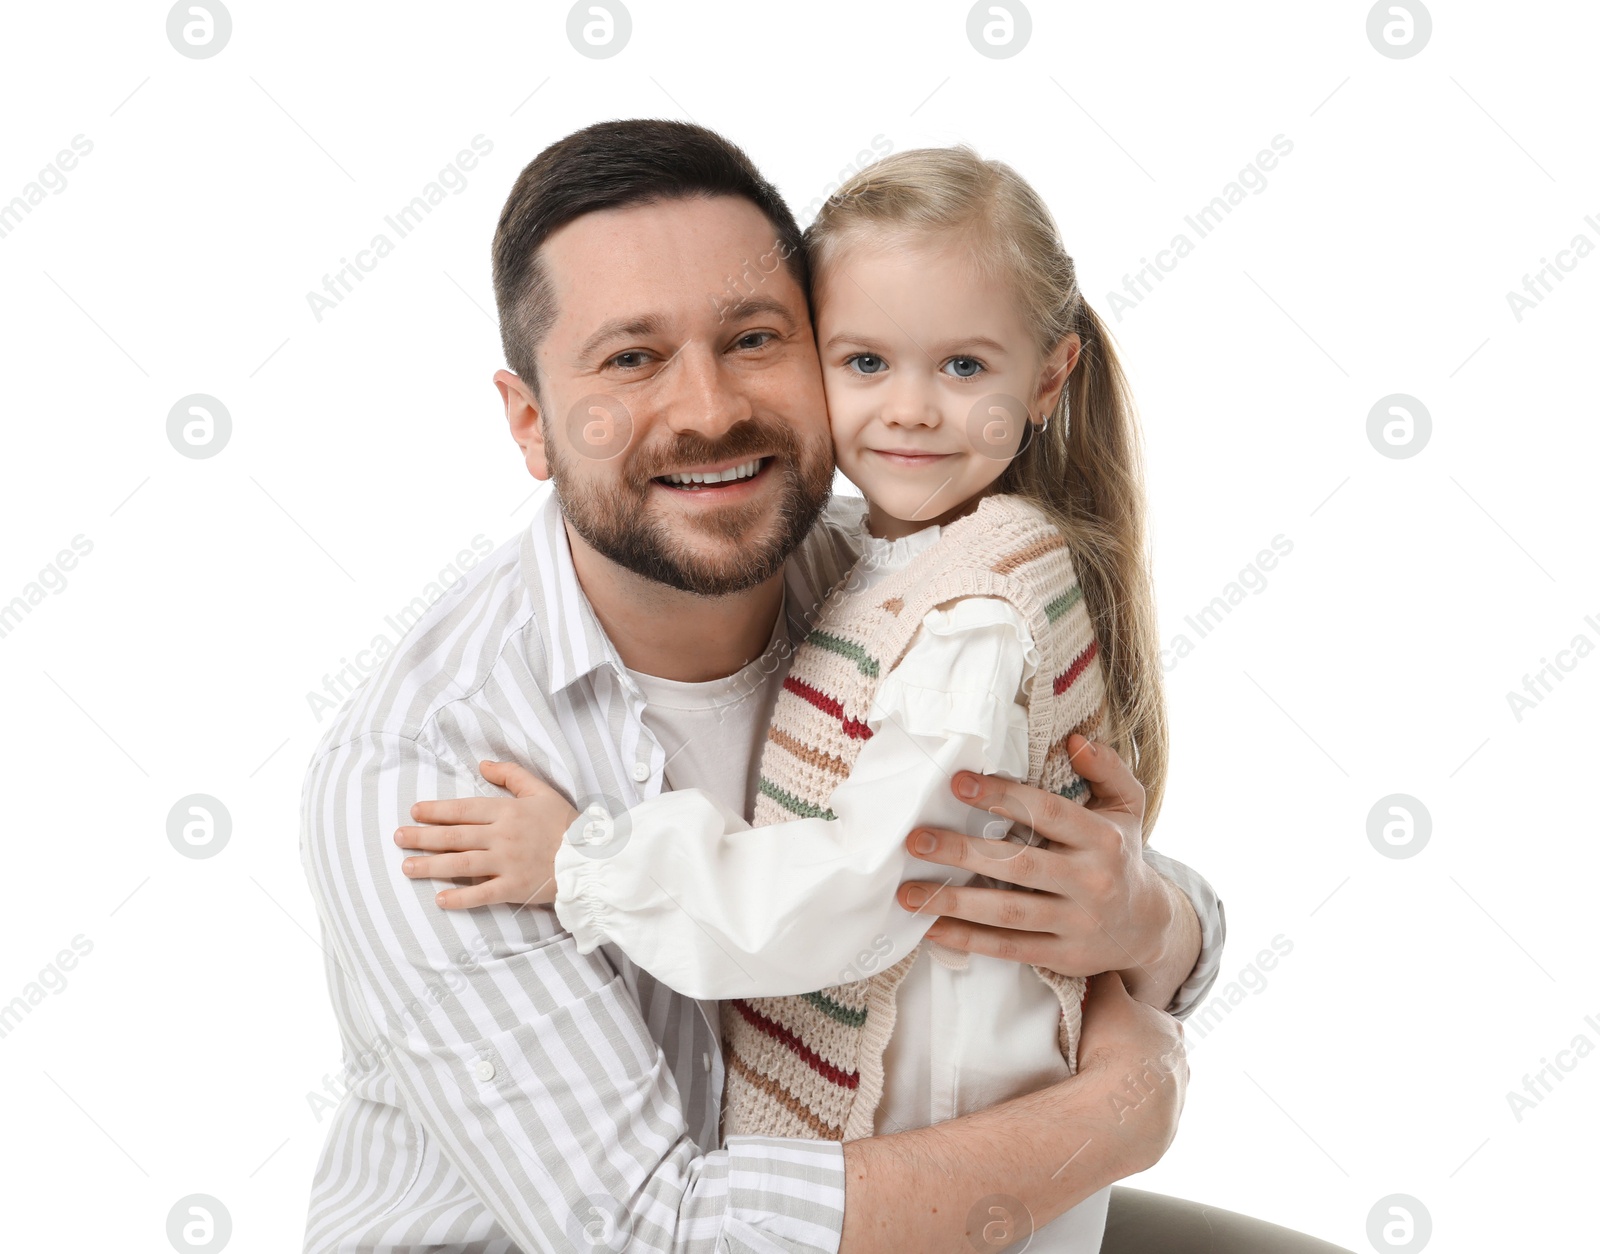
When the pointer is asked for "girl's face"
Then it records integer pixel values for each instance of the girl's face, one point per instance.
(931, 377)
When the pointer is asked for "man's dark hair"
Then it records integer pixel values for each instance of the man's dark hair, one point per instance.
(613, 165)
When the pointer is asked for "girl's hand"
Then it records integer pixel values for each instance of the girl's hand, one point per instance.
(508, 844)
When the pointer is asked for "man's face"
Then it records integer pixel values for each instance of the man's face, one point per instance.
(682, 346)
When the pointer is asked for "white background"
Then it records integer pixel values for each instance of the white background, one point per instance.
(368, 448)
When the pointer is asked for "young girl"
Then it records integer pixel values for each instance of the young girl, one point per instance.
(1000, 605)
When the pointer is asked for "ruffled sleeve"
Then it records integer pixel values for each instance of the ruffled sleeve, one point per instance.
(715, 908)
(965, 674)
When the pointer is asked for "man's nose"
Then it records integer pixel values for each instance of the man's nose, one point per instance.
(704, 396)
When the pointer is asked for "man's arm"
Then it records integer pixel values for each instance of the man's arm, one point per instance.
(1193, 929)
(528, 1064)
(990, 1178)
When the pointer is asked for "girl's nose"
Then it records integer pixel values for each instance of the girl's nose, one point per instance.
(910, 405)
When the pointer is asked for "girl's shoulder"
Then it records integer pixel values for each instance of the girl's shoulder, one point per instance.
(1002, 509)
(1001, 521)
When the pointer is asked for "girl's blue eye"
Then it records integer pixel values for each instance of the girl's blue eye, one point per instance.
(967, 367)
(866, 363)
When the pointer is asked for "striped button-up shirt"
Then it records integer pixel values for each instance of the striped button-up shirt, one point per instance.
(502, 1091)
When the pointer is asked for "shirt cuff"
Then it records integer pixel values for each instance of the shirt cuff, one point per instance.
(577, 867)
(784, 1195)
(1213, 931)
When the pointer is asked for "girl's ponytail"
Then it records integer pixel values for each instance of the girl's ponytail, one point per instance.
(1090, 477)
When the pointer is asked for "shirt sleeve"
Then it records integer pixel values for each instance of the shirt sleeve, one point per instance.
(1213, 931)
(524, 1062)
(715, 908)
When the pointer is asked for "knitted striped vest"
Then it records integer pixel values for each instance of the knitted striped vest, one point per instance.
(811, 1065)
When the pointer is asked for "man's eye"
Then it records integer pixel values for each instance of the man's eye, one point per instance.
(629, 360)
(867, 363)
(762, 337)
(965, 367)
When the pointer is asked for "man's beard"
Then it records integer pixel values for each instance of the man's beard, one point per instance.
(617, 521)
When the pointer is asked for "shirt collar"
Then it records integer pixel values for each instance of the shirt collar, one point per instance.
(575, 644)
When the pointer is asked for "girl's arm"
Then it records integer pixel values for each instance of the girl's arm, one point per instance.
(715, 908)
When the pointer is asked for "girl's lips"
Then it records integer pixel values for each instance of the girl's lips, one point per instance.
(910, 459)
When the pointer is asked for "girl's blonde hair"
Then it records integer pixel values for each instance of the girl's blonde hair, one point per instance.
(1086, 470)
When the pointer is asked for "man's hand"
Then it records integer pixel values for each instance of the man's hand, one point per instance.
(1096, 905)
(1136, 1054)
(507, 843)
(1048, 1150)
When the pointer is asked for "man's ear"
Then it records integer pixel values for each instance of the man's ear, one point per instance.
(522, 415)
(1057, 367)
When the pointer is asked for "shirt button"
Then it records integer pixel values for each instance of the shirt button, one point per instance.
(485, 1069)
(706, 1061)
(641, 771)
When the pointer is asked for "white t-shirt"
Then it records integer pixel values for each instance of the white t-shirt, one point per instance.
(718, 909)
(712, 732)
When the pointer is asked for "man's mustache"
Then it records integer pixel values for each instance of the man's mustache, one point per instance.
(744, 441)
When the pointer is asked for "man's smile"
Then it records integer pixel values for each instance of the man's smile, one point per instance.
(723, 481)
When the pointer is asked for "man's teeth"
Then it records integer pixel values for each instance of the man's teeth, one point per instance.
(721, 476)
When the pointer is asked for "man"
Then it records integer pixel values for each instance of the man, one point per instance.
(506, 1092)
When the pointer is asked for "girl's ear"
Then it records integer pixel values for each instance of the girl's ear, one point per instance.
(1057, 367)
